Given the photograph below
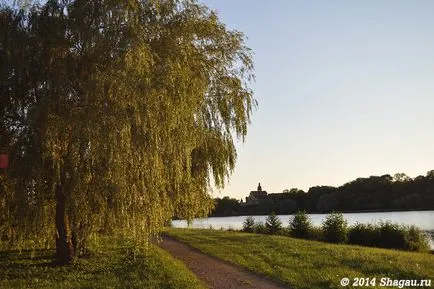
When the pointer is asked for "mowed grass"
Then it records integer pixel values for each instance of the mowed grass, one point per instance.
(308, 264)
(111, 265)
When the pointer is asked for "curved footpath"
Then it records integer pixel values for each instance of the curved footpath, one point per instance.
(215, 273)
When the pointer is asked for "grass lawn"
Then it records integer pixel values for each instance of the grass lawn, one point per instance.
(111, 265)
(308, 264)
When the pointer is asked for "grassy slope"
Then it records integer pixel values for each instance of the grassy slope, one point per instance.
(109, 267)
(307, 264)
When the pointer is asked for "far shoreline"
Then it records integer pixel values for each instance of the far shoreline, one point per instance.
(320, 213)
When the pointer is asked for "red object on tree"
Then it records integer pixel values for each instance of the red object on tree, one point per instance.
(4, 161)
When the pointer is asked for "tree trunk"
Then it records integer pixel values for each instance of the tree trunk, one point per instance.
(64, 247)
(79, 239)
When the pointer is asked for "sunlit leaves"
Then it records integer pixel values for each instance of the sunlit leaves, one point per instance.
(131, 106)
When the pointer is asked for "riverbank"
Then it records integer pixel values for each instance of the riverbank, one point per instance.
(420, 219)
(110, 265)
(307, 264)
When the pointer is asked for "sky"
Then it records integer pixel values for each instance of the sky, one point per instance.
(345, 90)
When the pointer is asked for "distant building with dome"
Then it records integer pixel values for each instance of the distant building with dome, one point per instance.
(257, 196)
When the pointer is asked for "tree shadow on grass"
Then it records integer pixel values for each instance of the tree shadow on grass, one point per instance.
(19, 260)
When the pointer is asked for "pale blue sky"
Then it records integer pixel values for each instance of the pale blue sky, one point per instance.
(345, 90)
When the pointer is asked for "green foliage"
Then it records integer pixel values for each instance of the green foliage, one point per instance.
(335, 228)
(300, 225)
(273, 224)
(362, 234)
(260, 228)
(396, 236)
(249, 224)
(416, 240)
(307, 264)
(316, 233)
(125, 109)
(388, 235)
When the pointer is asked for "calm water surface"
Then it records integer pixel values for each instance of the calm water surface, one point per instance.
(423, 219)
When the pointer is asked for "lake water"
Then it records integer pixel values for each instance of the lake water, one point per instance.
(423, 219)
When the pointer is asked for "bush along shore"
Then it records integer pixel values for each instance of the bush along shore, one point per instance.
(335, 229)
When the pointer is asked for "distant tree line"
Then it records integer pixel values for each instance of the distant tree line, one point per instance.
(375, 193)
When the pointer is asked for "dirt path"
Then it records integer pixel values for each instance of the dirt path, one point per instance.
(215, 273)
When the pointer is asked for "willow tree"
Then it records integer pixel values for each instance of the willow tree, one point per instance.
(117, 116)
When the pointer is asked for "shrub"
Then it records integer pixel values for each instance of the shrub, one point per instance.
(416, 240)
(284, 232)
(316, 233)
(390, 236)
(300, 225)
(249, 224)
(335, 228)
(394, 236)
(362, 234)
(273, 224)
(259, 228)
